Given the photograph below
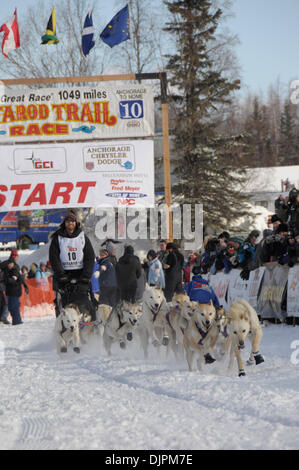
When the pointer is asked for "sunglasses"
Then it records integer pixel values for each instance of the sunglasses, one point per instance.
(70, 219)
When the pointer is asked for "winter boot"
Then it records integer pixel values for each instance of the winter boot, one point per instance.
(209, 359)
(258, 358)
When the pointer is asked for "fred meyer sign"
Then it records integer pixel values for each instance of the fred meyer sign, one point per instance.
(76, 113)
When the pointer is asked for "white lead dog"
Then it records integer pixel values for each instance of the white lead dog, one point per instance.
(67, 329)
(153, 324)
(243, 322)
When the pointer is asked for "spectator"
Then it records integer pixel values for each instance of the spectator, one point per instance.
(13, 258)
(95, 279)
(230, 257)
(293, 212)
(208, 257)
(32, 271)
(128, 270)
(13, 287)
(24, 272)
(188, 265)
(281, 208)
(171, 272)
(292, 255)
(162, 253)
(4, 312)
(275, 245)
(107, 280)
(275, 221)
(40, 273)
(247, 253)
(180, 270)
(109, 245)
(155, 272)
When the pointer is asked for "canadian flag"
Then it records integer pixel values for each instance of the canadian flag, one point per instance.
(11, 39)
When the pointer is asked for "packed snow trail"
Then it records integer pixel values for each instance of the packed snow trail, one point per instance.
(91, 401)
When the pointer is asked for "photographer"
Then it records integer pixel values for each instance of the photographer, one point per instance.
(293, 211)
(213, 249)
(247, 254)
(275, 246)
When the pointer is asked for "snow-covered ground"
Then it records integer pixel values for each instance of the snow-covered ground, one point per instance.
(91, 401)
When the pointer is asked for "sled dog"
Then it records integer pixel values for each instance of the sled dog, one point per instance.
(198, 334)
(242, 322)
(153, 324)
(103, 313)
(218, 335)
(178, 317)
(67, 329)
(120, 324)
(180, 298)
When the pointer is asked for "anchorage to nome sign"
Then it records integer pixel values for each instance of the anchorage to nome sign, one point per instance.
(76, 113)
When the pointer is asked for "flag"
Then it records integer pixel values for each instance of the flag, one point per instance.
(11, 39)
(118, 30)
(50, 36)
(87, 35)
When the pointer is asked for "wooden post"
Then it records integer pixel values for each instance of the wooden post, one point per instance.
(166, 154)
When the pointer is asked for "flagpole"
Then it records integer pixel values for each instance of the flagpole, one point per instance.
(49, 63)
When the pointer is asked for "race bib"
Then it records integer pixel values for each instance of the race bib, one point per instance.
(71, 251)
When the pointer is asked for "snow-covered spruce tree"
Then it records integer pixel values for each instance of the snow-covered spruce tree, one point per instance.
(210, 166)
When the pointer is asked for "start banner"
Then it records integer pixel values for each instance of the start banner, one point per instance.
(76, 113)
(99, 174)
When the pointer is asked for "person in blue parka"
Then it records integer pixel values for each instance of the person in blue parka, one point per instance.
(199, 289)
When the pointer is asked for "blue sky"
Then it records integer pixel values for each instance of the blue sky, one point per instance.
(268, 31)
(269, 34)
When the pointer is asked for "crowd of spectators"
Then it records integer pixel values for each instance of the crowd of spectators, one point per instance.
(125, 278)
(279, 243)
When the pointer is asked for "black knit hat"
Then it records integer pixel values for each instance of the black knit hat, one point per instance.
(152, 254)
(129, 250)
(171, 245)
(275, 218)
(71, 214)
(282, 228)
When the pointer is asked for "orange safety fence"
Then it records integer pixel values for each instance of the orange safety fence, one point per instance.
(39, 301)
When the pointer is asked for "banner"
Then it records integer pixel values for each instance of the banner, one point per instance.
(272, 292)
(238, 288)
(255, 280)
(76, 113)
(99, 174)
(39, 302)
(293, 292)
(220, 282)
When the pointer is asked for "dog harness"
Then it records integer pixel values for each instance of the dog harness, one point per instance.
(63, 328)
(155, 313)
(202, 333)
